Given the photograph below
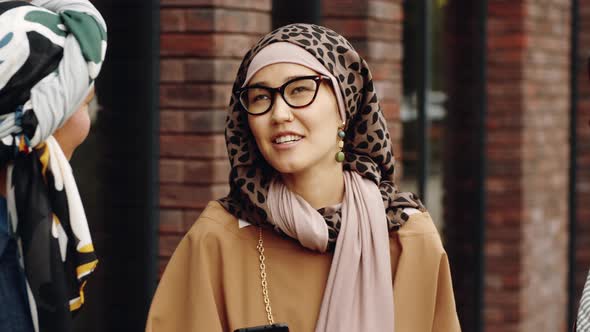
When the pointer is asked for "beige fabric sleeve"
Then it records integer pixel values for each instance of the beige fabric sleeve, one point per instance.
(189, 297)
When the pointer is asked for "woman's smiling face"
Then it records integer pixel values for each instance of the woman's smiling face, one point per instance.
(295, 140)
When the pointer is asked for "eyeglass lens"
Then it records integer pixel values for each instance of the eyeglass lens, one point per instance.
(297, 93)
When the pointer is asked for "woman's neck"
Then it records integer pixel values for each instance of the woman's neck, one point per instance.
(319, 187)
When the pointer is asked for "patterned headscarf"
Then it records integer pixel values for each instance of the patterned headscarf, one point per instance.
(368, 149)
(49, 58)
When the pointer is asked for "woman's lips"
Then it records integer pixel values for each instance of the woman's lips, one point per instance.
(286, 145)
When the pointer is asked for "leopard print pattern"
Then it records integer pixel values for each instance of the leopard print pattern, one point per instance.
(333, 217)
(368, 149)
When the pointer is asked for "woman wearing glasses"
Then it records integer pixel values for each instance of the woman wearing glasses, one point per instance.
(313, 233)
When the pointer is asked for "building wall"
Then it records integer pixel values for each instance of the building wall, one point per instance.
(202, 44)
(545, 164)
(374, 28)
(527, 178)
(504, 186)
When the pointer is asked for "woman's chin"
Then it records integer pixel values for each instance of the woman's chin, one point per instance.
(300, 164)
(288, 167)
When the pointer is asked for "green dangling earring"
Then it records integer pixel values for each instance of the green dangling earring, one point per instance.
(341, 135)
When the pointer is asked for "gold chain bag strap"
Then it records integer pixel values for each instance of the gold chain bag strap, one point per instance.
(264, 282)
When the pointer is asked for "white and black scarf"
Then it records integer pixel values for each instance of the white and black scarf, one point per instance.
(51, 51)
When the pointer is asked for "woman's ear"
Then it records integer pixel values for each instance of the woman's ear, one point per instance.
(75, 129)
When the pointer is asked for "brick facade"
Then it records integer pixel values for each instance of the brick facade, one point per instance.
(545, 165)
(202, 43)
(527, 155)
(374, 28)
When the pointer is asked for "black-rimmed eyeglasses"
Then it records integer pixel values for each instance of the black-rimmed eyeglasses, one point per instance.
(297, 92)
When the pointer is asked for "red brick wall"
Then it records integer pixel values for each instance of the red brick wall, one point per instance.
(202, 43)
(527, 151)
(546, 93)
(375, 30)
(583, 153)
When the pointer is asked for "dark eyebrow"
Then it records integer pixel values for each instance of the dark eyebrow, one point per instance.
(265, 83)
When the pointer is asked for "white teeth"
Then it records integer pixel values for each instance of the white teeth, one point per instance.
(287, 138)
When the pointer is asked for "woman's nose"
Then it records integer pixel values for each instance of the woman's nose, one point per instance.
(281, 111)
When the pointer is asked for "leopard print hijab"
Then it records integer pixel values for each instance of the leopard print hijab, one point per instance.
(368, 149)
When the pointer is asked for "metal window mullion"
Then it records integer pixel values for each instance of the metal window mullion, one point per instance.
(480, 229)
(571, 315)
(423, 89)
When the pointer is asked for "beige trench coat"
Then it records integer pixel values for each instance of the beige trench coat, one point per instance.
(212, 283)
